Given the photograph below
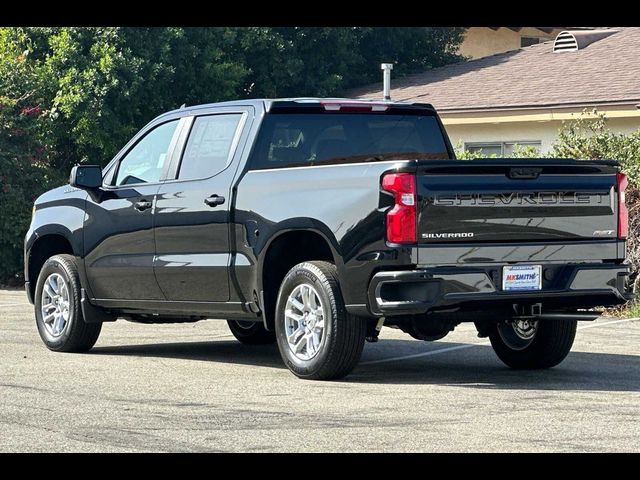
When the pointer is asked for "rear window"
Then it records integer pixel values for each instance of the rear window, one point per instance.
(291, 139)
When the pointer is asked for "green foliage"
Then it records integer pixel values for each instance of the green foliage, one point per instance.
(324, 61)
(519, 151)
(77, 94)
(101, 84)
(587, 137)
(24, 163)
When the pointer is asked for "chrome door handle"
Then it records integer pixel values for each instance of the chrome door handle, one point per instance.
(214, 200)
(142, 205)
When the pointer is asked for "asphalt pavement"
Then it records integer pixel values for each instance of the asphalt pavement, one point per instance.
(194, 388)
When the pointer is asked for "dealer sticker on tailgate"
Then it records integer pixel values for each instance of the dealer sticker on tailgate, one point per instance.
(522, 277)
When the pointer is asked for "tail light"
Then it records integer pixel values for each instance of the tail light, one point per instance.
(623, 211)
(401, 219)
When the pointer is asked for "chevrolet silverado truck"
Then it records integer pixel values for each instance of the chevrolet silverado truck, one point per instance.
(314, 222)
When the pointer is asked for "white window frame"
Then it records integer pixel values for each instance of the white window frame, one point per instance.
(503, 144)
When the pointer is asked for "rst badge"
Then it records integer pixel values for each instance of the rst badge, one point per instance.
(604, 233)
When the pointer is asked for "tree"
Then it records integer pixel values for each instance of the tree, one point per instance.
(325, 61)
(24, 161)
(77, 94)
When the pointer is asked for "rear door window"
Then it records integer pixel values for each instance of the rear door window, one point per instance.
(292, 139)
(209, 147)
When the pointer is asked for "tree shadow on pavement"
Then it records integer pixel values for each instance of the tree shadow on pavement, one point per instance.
(475, 367)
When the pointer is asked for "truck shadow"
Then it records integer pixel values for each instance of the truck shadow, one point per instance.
(478, 367)
(475, 367)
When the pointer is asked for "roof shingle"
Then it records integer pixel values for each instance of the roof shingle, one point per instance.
(607, 71)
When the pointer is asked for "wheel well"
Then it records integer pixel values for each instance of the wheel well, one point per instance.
(283, 254)
(44, 248)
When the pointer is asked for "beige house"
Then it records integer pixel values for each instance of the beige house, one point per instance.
(484, 41)
(522, 96)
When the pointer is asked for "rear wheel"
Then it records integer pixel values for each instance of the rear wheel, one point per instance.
(57, 304)
(533, 344)
(318, 339)
(251, 333)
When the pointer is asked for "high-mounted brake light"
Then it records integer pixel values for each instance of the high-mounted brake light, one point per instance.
(402, 218)
(623, 211)
(338, 106)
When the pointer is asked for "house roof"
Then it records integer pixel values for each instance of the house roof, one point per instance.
(604, 72)
(543, 29)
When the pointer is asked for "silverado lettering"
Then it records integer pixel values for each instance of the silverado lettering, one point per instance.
(448, 235)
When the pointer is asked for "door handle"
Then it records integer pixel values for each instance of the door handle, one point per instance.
(214, 200)
(142, 205)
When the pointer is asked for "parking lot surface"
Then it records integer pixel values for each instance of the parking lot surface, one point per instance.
(193, 387)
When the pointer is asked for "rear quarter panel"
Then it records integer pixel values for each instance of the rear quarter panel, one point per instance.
(342, 203)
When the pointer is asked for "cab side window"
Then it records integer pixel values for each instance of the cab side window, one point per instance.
(208, 148)
(145, 161)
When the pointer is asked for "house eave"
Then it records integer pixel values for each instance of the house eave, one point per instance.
(549, 114)
(631, 103)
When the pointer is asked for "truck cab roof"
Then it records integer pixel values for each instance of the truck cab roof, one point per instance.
(330, 104)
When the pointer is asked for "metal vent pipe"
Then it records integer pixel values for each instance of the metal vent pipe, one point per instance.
(386, 80)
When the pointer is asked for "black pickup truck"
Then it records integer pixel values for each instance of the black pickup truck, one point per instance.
(314, 222)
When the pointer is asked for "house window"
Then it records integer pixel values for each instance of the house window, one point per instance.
(501, 149)
(528, 41)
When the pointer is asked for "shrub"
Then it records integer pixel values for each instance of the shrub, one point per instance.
(520, 151)
(588, 137)
(24, 174)
(25, 171)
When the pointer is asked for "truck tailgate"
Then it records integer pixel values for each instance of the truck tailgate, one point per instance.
(516, 200)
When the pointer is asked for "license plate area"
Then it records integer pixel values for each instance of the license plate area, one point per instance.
(521, 278)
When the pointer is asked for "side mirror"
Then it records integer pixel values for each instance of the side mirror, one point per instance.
(86, 176)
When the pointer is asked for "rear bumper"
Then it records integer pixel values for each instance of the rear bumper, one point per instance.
(564, 287)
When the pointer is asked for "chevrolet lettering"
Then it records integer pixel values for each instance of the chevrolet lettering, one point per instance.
(511, 199)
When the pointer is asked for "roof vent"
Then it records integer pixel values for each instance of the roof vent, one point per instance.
(570, 41)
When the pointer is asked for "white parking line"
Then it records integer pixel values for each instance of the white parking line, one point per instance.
(595, 324)
(477, 344)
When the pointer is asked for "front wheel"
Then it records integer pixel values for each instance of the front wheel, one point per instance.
(318, 339)
(533, 344)
(58, 313)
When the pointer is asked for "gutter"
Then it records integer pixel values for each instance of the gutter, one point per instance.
(632, 103)
(537, 114)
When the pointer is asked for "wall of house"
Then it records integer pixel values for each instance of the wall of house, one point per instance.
(483, 41)
(546, 131)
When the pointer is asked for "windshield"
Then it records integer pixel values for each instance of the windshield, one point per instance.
(294, 139)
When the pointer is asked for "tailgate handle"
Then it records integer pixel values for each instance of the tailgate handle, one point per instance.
(525, 173)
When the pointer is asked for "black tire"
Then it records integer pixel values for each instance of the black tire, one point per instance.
(343, 336)
(76, 335)
(550, 345)
(251, 333)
